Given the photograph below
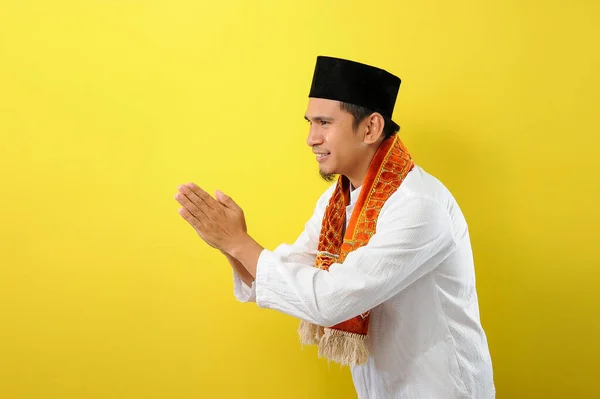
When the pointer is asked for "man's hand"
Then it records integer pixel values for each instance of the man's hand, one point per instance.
(221, 222)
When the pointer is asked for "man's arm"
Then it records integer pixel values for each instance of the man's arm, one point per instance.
(413, 237)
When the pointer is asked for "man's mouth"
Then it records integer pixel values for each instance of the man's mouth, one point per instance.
(321, 156)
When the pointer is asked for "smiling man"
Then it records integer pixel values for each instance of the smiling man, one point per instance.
(382, 277)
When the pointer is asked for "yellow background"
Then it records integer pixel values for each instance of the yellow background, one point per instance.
(106, 106)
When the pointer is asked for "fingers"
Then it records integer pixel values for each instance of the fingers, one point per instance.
(191, 219)
(192, 197)
(226, 200)
(205, 197)
(191, 207)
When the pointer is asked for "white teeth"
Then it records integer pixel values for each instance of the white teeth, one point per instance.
(321, 155)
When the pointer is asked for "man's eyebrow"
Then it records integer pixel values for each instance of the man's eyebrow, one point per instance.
(319, 118)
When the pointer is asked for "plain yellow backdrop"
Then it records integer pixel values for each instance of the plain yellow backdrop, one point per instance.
(107, 106)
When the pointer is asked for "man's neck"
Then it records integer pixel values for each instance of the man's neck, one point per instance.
(356, 181)
(357, 178)
(360, 173)
(354, 187)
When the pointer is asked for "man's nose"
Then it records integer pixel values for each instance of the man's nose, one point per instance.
(313, 138)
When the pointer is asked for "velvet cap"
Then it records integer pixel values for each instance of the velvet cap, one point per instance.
(355, 83)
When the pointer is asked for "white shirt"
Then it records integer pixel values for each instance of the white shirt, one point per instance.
(417, 276)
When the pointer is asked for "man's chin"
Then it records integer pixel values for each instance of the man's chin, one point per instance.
(328, 177)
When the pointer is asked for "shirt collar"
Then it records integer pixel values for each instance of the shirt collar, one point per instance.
(354, 194)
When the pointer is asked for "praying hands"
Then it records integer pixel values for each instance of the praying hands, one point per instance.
(220, 223)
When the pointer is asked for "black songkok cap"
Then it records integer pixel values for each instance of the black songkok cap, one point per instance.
(355, 83)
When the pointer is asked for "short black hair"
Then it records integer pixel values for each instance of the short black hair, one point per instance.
(360, 113)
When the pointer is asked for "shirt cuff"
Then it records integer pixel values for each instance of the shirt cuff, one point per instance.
(267, 264)
(242, 292)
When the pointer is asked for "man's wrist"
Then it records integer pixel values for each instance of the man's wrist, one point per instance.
(237, 245)
(246, 251)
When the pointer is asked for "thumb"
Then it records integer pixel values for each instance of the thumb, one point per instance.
(226, 200)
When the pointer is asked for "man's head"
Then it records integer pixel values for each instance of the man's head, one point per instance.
(345, 136)
(350, 109)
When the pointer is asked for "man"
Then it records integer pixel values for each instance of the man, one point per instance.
(382, 277)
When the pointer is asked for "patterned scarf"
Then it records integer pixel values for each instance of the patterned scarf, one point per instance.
(345, 343)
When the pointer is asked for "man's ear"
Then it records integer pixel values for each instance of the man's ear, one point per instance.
(374, 128)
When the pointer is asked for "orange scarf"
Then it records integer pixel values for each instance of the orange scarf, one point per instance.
(344, 343)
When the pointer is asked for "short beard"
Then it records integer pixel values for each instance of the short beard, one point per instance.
(327, 177)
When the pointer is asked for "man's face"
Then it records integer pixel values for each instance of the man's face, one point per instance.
(332, 137)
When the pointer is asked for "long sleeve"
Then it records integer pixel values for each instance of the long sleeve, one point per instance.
(242, 292)
(303, 251)
(414, 235)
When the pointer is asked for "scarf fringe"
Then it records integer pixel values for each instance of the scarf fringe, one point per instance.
(310, 334)
(343, 347)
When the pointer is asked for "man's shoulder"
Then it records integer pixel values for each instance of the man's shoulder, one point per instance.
(421, 200)
(420, 183)
(422, 189)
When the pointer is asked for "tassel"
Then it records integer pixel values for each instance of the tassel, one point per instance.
(342, 347)
(310, 334)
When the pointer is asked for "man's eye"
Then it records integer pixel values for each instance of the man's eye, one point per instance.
(323, 123)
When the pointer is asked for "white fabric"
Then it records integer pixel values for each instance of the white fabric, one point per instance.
(417, 276)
